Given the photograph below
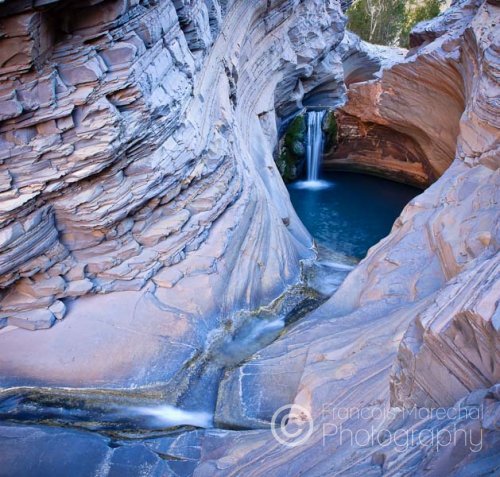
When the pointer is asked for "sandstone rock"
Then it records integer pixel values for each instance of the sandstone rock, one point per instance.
(59, 309)
(167, 278)
(42, 287)
(79, 288)
(394, 139)
(29, 451)
(25, 451)
(109, 134)
(451, 348)
(136, 162)
(423, 298)
(38, 319)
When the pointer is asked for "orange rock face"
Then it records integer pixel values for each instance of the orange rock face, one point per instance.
(136, 168)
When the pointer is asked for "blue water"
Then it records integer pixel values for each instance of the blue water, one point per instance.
(350, 212)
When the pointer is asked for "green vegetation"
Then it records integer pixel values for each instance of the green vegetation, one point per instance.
(330, 129)
(424, 11)
(389, 22)
(292, 153)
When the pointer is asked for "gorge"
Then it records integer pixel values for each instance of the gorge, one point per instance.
(160, 297)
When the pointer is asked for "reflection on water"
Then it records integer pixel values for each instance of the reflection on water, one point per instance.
(353, 213)
(312, 185)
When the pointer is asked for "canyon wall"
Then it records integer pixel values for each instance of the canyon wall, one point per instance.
(377, 132)
(141, 206)
(417, 321)
(140, 203)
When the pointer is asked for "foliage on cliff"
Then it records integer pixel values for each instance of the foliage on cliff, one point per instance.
(330, 129)
(292, 152)
(389, 22)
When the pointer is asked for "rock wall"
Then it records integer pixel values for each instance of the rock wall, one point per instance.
(167, 211)
(467, 317)
(379, 134)
(136, 166)
(416, 322)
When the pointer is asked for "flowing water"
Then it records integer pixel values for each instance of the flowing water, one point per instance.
(346, 213)
(314, 143)
(314, 149)
(189, 398)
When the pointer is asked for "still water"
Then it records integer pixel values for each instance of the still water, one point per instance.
(348, 212)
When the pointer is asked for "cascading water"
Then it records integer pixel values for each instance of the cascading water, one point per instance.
(314, 151)
(314, 144)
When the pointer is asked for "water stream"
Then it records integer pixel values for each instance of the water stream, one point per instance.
(345, 213)
(314, 144)
(189, 398)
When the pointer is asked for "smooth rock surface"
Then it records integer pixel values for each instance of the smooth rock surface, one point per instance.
(415, 323)
(137, 143)
(388, 127)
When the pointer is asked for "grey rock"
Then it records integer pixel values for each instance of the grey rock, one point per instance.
(38, 319)
(30, 451)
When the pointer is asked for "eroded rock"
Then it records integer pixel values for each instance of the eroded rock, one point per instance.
(135, 147)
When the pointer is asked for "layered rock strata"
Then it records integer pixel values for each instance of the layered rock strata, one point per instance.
(137, 166)
(416, 323)
(377, 134)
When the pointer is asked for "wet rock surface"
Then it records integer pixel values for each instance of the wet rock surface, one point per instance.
(141, 207)
(415, 323)
(138, 172)
(87, 454)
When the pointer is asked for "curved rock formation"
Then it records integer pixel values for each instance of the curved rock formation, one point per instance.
(386, 127)
(416, 323)
(138, 178)
(137, 162)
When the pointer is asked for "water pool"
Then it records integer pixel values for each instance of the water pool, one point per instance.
(350, 212)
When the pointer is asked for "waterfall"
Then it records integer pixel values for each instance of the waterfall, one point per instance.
(314, 151)
(314, 144)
